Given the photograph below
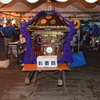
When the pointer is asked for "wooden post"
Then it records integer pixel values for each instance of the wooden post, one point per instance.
(60, 79)
(29, 77)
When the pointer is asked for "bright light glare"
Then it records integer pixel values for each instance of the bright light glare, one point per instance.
(97, 41)
(32, 1)
(13, 22)
(5, 21)
(91, 1)
(61, 0)
(5, 1)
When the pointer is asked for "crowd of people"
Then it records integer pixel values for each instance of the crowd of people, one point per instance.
(11, 33)
(92, 37)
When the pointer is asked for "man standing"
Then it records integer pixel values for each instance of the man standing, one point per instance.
(95, 35)
(8, 32)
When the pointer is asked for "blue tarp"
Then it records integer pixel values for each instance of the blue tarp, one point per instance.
(78, 60)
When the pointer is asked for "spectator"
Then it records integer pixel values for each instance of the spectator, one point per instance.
(1, 27)
(21, 55)
(8, 32)
(95, 35)
(22, 49)
(89, 35)
(17, 33)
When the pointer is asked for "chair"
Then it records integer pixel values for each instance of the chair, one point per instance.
(12, 47)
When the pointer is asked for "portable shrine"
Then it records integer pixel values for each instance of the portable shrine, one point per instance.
(50, 35)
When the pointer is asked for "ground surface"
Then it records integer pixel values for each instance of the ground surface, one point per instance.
(83, 83)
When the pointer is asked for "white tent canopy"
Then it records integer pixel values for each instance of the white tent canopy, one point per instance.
(70, 8)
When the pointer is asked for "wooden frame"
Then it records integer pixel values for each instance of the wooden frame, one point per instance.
(34, 71)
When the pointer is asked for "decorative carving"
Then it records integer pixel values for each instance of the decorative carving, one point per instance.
(43, 21)
(48, 17)
(53, 21)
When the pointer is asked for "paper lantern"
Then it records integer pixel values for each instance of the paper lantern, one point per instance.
(5, 1)
(91, 1)
(61, 0)
(32, 1)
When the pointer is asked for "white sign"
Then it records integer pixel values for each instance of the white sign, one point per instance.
(47, 61)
